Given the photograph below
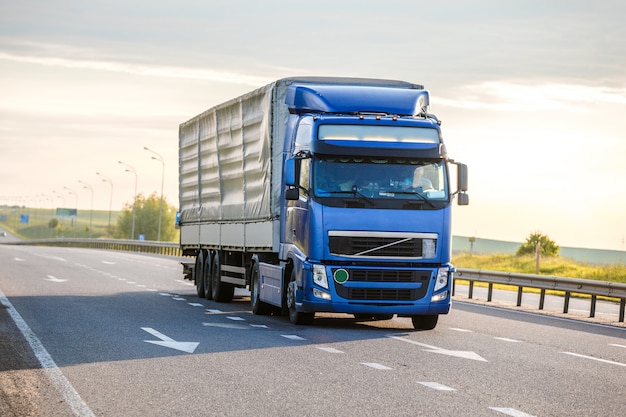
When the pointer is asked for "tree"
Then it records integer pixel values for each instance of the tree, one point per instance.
(147, 219)
(547, 246)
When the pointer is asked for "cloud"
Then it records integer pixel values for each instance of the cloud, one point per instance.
(118, 66)
(512, 96)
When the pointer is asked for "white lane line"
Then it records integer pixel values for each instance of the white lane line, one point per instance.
(616, 345)
(511, 412)
(376, 366)
(595, 359)
(235, 318)
(196, 304)
(179, 298)
(330, 350)
(456, 329)
(506, 339)
(57, 378)
(259, 326)
(292, 337)
(212, 311)
(436, 385)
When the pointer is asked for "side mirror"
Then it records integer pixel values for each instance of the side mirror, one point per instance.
(463, 199)
(462, 177)
(290, 172)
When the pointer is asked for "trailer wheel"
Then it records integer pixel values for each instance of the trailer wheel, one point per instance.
(425, 322)
(198, 272)
(222, 292)
(296, 317)
(206, 276)
(258, 307)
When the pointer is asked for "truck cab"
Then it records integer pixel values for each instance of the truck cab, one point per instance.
(367, 204)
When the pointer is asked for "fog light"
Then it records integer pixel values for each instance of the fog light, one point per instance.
(439, 297)
(321, 294)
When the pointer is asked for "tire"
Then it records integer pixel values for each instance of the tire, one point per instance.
(206, 276)
(198, 272)
(296, 317)
(258, 307)
(222, 292)
(425, 322)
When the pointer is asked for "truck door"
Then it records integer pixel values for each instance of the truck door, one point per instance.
(297, 223)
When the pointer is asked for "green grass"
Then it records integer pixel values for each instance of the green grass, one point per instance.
(86, 225)
(560, 267)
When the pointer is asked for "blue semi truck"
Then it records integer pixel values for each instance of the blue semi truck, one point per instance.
(321, 194)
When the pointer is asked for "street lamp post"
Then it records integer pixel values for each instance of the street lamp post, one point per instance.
(75, 219)
(87, 186)
(133, 171)
(159, 158)
(107, 179)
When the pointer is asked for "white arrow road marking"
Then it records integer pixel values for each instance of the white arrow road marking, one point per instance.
(595, 359)
(168, 342)
(434, 349)
(54, 279)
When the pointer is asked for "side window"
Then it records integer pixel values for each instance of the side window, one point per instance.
(304, 135)
(305, 170)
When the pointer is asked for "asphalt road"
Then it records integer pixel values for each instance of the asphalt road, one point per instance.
(122, 334)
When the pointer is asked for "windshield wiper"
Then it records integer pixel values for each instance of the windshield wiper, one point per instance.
(421, 196)
(356, 192)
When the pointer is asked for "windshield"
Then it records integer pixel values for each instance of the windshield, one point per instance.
(380, 179)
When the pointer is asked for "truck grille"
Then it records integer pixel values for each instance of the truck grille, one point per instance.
(377, 245)
(387, 294)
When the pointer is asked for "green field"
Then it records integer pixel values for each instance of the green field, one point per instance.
(85, 225)
(559, 266)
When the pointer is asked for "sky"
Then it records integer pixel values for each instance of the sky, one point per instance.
(531, 93)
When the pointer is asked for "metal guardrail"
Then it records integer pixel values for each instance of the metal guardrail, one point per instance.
(567, 286)
(145, 246)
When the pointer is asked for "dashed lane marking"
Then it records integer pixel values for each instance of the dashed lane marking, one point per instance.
(511, 412)
(436, 386)
(376, 366)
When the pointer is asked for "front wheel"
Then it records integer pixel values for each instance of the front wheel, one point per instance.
(296, 317)
(425, 322)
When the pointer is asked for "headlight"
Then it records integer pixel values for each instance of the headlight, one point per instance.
(319, 276)
(442, 279)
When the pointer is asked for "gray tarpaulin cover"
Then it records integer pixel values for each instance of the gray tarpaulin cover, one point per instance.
(231, 159)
